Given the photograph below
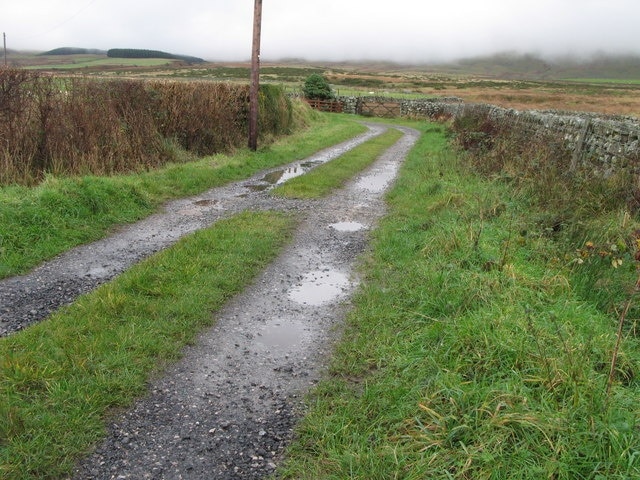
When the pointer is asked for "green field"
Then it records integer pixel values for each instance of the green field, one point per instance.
(101, 62)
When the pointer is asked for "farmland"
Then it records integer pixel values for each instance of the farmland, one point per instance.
(607, 86)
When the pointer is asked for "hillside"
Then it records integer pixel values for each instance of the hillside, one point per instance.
(533, 67)
(501, 66)
(601, 84)
(74, 51)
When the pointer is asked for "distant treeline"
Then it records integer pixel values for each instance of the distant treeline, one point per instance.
(74, 51)
(139, 53)
(123, 53)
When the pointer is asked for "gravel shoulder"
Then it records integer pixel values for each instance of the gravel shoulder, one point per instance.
(226, 410)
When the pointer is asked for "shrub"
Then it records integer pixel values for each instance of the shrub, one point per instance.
(476, 130)
(317, 87)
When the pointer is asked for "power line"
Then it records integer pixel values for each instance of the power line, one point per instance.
(63, 22)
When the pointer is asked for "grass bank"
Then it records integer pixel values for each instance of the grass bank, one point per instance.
(332, 175)
(59, 379)
(474, 349)
(40, 222)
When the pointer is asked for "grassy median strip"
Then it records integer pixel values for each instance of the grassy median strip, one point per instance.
(331, 175)
(470, 352)
(59, 378)
(38, 223)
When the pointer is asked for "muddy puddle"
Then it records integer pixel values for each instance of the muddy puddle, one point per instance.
(347, 226)
(280, 176)
(319, 287)
(282, 334)
(378, 180)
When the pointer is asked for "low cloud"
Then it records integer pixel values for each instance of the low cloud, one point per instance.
(403, 31)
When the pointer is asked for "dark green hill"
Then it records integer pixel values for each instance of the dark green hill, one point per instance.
(140, 53)
(74, 51)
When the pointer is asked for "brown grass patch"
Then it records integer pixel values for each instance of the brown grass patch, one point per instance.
(71, 126)
(608, 102)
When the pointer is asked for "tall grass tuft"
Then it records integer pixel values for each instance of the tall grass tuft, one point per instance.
(591, 215)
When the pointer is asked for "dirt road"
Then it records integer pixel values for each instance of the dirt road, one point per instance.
(227, 409)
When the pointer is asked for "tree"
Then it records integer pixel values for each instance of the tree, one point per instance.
(317, 87)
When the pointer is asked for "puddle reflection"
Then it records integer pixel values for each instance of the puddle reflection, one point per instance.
(282, 335)
(378, 181)
(320, 287)
(347, 226)
(280, 176)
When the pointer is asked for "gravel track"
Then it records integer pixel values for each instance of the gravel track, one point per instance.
(226, 410)
(27, 299)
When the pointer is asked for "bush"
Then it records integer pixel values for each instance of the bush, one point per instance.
(317, 87)
(476, 130)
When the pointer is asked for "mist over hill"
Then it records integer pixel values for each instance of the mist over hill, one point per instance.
(515, 65)
(503, 65)
(506, 65)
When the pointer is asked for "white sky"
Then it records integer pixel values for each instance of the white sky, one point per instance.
(399, 30)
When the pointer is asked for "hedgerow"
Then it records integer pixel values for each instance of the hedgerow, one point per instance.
(69, 126)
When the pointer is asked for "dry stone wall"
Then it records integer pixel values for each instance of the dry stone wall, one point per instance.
(605, 143)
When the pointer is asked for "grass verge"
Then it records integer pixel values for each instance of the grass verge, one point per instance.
(471, 352)
(59, 378)
(331, 175)
(38, 223)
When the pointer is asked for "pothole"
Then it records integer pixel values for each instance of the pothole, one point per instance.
(204, 203)
(282, 335)
(377, 181)
(347, 226)
(320, 287)
(97, 272)
(197, 207)
(280, 176)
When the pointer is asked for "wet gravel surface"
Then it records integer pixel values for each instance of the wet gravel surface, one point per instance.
(226, 410)
(30, 298)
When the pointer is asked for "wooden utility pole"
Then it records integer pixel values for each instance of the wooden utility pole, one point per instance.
(255, 76)
(4, 41)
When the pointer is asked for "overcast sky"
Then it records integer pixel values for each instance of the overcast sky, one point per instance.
(398, 30)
